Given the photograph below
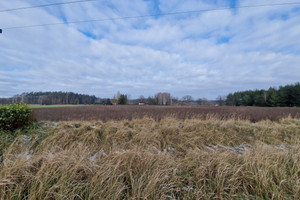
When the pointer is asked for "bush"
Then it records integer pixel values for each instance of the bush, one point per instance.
(15, 116)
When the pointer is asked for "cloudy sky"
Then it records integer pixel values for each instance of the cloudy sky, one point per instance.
(202, 54)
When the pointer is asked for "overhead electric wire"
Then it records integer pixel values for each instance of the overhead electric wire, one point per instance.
(152, 15)
(45, 5)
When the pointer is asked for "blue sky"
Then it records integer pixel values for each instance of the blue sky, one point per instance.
(203, 54)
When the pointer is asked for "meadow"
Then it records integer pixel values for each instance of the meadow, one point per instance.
(160, 153)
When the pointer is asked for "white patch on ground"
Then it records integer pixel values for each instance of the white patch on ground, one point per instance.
(282, 147)
(27, 139)
(26, 154)
(189, 188)
(240, 149)
(97, 156)
(169, 149)
(120, 151)
(236, 149)
(51, 124)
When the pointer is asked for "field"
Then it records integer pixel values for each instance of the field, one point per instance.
(152, 152)
(52, 106)
(107, 113)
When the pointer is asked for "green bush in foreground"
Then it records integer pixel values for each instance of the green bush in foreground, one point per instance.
(15, 116)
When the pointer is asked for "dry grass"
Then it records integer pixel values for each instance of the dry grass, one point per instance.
(108, 113)
(147, 159)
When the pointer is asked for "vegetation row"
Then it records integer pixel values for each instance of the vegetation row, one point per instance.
(284, 96)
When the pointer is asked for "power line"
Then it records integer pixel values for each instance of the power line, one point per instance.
(46, 5)
(152, 15)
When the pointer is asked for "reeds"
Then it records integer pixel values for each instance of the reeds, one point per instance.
(147, 159)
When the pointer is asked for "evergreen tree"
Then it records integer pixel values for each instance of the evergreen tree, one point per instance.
(288, 95)
(122, 100)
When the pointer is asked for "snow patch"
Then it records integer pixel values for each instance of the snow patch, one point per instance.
(97, 156)
(237, 149)
(26, 154)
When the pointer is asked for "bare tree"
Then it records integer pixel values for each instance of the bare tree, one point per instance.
(118, 95)
(204, 102)
(114, 100)
(221, 100)
(265, 96)
(187, 99)
(142, 99)
(175, 101)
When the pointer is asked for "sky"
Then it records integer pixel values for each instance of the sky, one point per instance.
(202, 54)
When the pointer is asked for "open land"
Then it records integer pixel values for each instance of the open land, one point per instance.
(108, 113)
(107, 152)
(53, 106)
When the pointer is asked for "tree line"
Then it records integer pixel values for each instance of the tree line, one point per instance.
(49, 98)
(284, 96)
(161, 98)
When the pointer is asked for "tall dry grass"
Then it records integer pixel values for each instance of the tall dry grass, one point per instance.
(146, 159)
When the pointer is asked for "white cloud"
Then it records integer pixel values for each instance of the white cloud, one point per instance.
(204, 55)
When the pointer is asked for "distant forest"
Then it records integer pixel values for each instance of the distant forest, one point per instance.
(49, 98)
(284, 96)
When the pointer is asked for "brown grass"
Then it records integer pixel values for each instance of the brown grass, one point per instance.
(149, 159)
(108, 113)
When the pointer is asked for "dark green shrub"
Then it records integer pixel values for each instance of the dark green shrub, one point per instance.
(15, 116)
